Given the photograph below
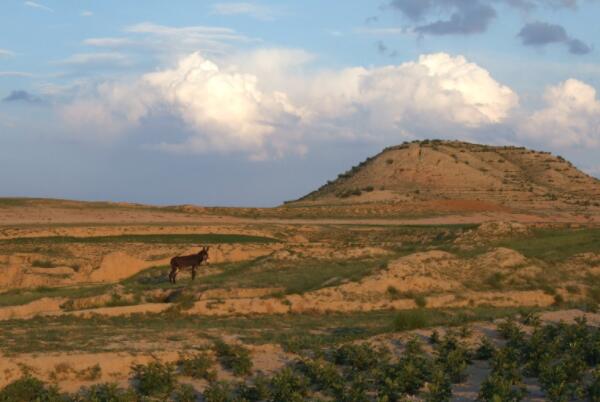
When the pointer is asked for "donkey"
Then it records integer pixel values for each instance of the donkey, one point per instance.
(185, 261)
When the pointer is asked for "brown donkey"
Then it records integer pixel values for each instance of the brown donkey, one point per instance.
(185, 261)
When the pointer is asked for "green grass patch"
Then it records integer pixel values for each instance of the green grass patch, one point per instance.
(43, 264)
(295, 332)
(294, 276)
(556, 245)
(23, 296)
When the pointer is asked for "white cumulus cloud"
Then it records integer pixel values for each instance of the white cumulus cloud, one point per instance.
(268, 102)
(225, 107)
(436, 91)
(571, 116)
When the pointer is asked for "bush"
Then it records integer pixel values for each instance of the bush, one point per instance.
(198, 366)
(408, 375)
(420, 301)
(106, 393)
(454, 357)
(29, 389)
(497, 388)
(259, 390)
(410, 319)
(359, 357)
(593, 391)
(154, 379)
(218, 391)
(439, 389)
(288, 386)
(43, 264)
(324, 375)
(185, 393)
(234, 357)
(486, 350)
(434, 338)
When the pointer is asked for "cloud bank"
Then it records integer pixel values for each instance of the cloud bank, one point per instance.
(270, 106)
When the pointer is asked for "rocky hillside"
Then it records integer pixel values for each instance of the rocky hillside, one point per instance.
(497, 176)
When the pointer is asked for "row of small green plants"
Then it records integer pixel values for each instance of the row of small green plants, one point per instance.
(563, 358)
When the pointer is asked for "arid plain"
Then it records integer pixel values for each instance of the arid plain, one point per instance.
(412, 276)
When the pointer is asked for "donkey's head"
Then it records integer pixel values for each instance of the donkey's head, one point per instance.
(204, 254)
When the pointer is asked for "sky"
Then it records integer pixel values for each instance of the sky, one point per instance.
(256, 103)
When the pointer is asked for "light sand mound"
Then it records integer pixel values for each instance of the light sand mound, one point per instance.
(569, 317)
(117, 266)
(221, 253)
(44, 306)
(16, 272)
(327, 252)
(122, 310)
(338, 302)
(238, 293)
(492, 231)
(438, 274)
(501, 257)
(419, 272)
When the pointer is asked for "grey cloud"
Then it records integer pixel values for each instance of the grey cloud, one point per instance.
(542, 33)
(576, 46)
(413, 9)
(21, 96)
(532, 4)
(470, 17)
(465, 16)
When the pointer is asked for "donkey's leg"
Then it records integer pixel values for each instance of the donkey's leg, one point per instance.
(174, 274)
(194, 267)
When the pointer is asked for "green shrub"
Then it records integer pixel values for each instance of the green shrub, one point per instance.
(29, 389)
(486, 350)
(198, 366)
(106, 393)
(593, 390)
(185, 393)
(155, 379)
(453, 356)
(410, 319)
(322, 374)
(234, 357)
(258, 390)
(218, 391)
(497, 388)
(494, 280)
(420, 301)
(43, 264)
(561, 380)
(408, 375)
(288, 386)
(439, 388)
(359, 357)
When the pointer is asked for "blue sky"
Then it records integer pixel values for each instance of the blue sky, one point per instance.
(254, 103)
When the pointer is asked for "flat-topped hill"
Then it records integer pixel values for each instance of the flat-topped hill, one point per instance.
(497, 176)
